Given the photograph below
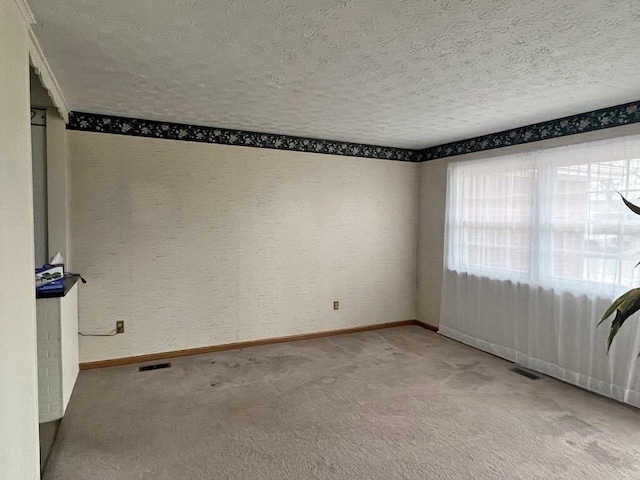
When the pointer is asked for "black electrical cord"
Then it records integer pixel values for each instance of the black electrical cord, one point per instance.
(69, 274)
(98, 334)
(112, 334)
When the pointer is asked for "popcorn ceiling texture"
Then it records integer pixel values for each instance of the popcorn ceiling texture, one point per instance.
(408, 74)
(195, 244)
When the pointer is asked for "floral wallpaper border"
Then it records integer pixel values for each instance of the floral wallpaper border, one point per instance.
(619, 115)
(616, 116)
(92, 122)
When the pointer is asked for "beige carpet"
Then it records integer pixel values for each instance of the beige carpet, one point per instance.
(401, 403)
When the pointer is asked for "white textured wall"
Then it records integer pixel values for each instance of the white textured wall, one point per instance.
(57, 353)
(433, 192)
(49, 360)
(39, 176)
(196, 244)
(57, 185)
(69, 354)
(18, 390)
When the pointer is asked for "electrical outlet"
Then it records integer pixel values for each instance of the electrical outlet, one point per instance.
(336, 305)
(120, 327)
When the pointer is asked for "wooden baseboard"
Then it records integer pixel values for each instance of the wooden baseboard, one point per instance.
(251, 343)
(428, 326)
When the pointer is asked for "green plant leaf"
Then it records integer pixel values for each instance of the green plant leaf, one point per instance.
(634, 208)
(612, 308)
(627, 305)
(613, 331)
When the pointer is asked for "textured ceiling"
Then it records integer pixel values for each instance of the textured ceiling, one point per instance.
(404, 73)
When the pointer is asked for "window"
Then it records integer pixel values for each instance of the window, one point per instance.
(551, 217)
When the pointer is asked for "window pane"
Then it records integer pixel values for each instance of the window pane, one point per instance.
(595, 238)
(551, 217)
(496, 220)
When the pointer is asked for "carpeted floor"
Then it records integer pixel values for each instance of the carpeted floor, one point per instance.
(401, 403)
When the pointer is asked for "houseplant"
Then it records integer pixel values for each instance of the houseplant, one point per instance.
(626, 304)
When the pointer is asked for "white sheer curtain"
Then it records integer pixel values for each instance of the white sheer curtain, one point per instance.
(537, 246)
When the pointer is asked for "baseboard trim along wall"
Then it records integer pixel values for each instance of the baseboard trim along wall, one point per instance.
(428, 326)
(251, 343)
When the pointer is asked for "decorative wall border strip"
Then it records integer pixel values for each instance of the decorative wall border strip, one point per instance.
(617, 116)
(91, 122)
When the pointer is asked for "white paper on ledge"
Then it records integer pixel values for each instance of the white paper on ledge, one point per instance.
(57, 259)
